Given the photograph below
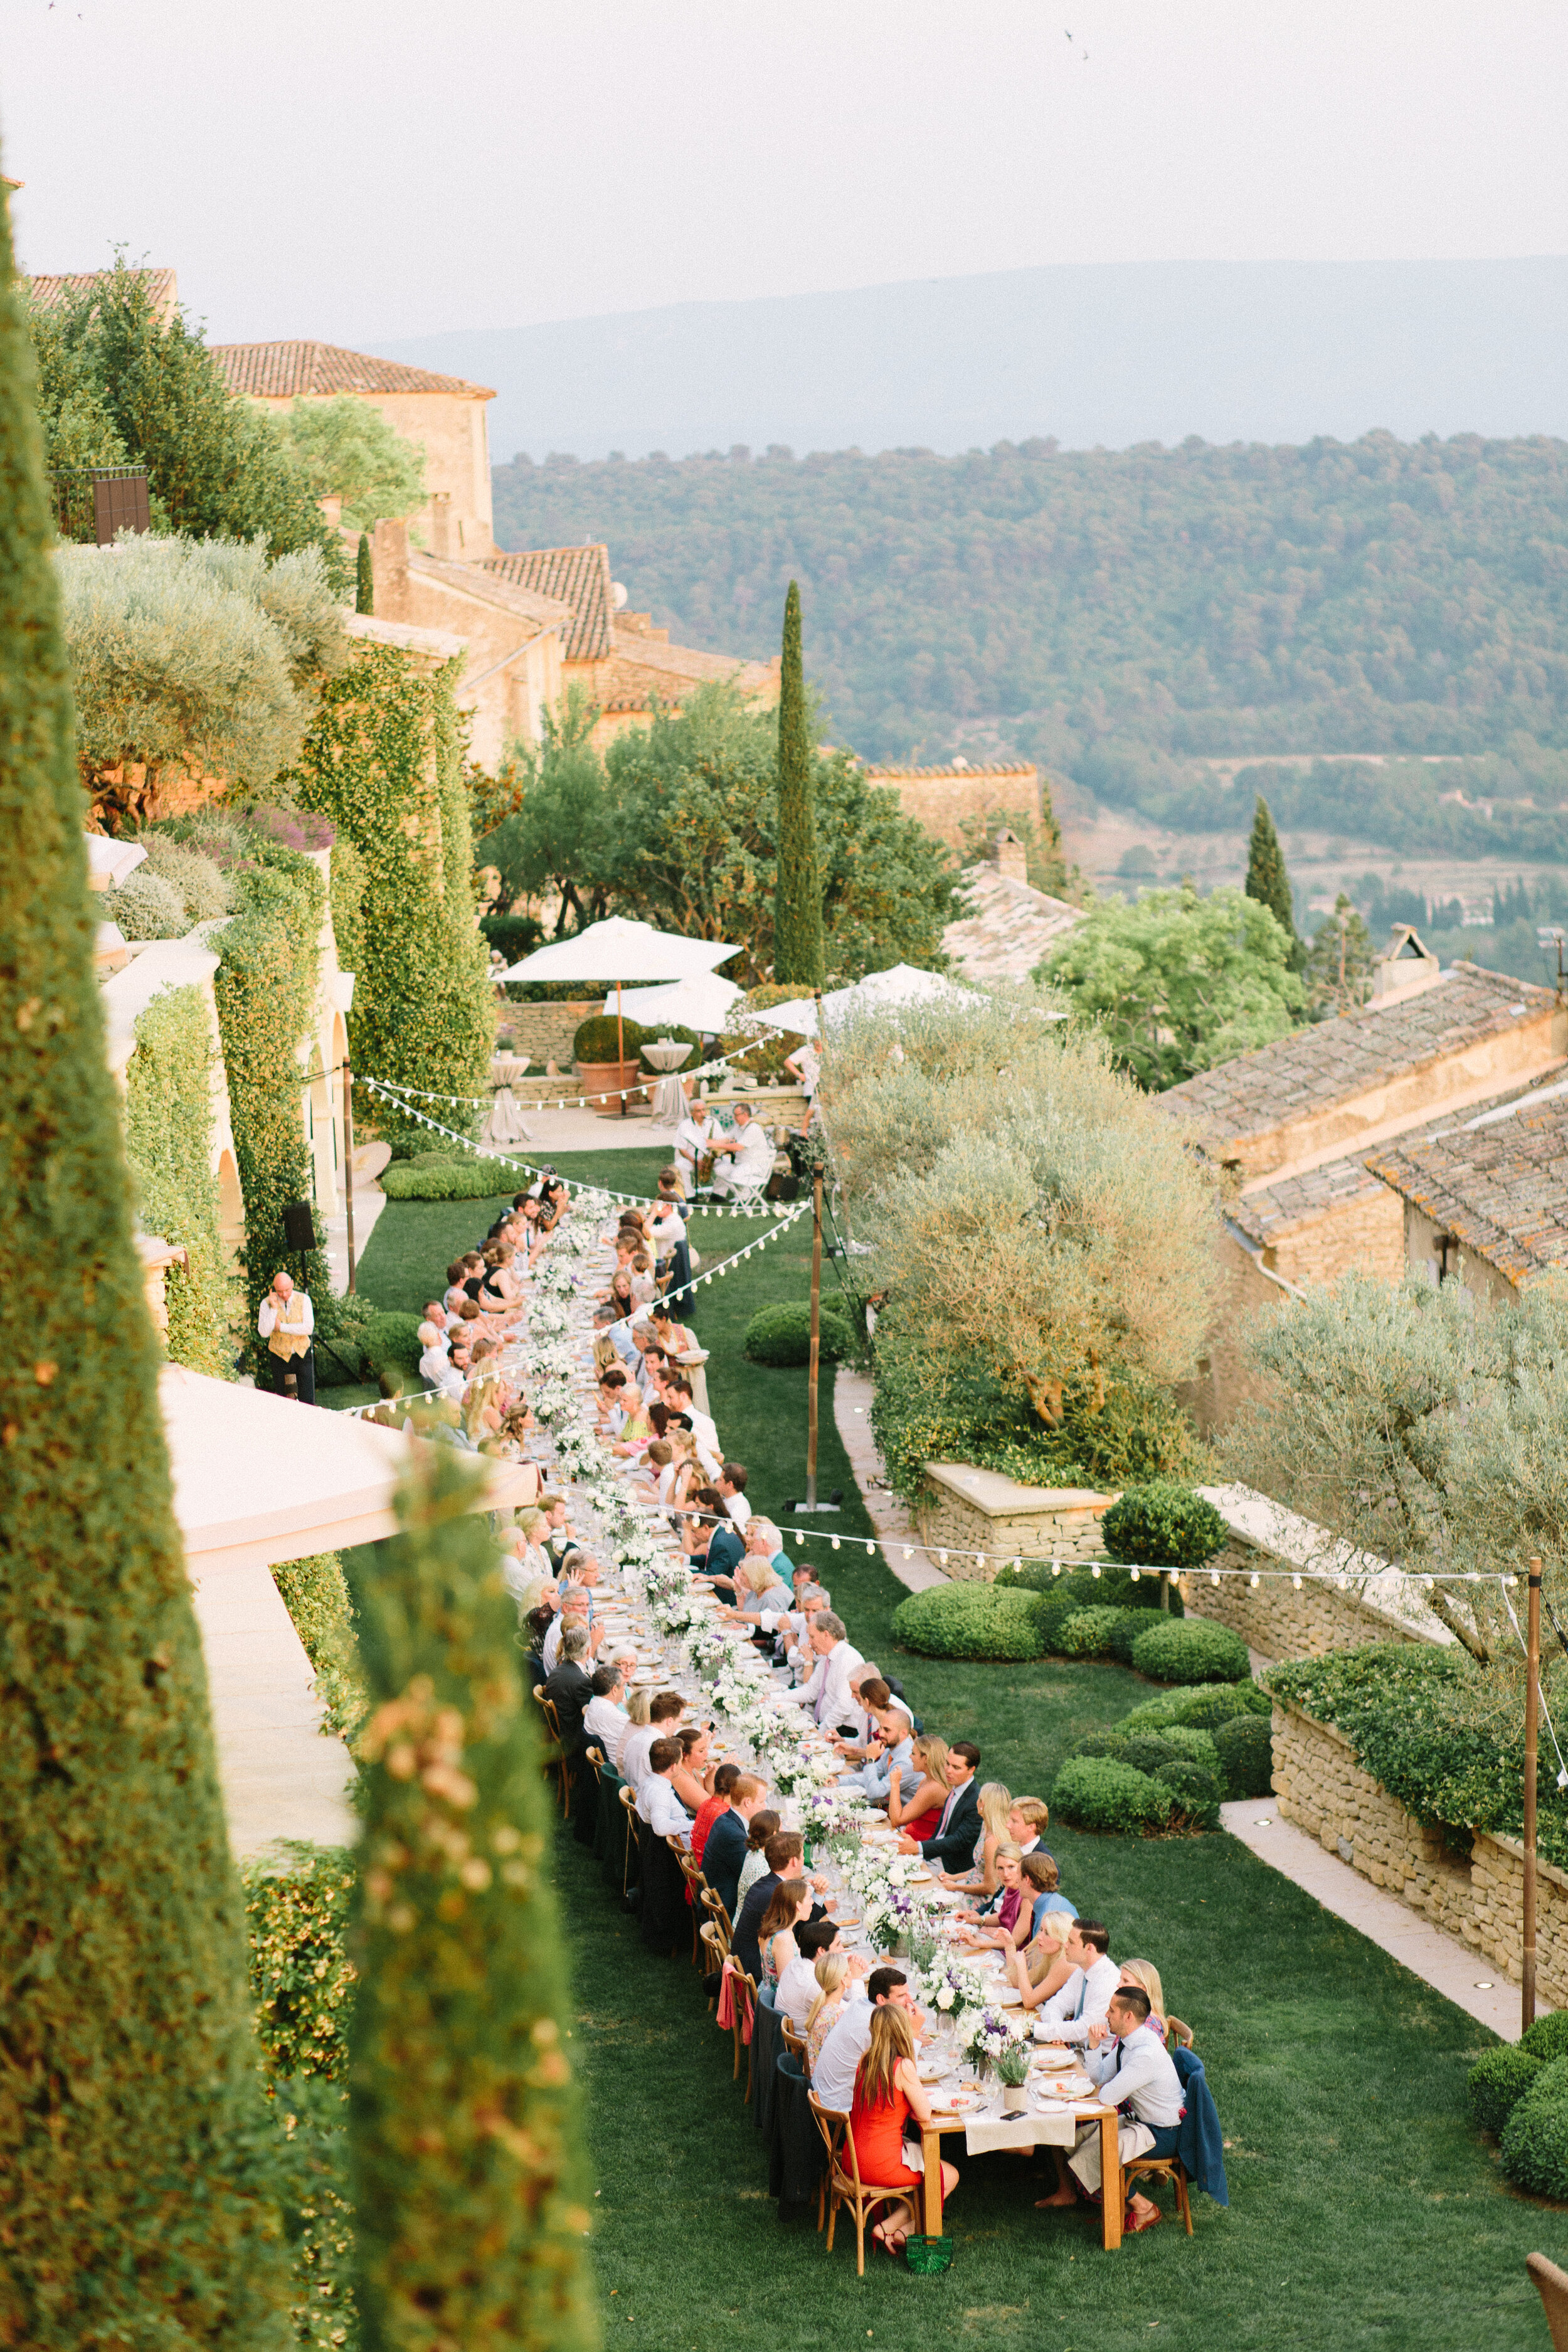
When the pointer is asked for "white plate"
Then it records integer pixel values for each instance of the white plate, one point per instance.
(961, 2102)
(1055, 2061)
(1007, 1997)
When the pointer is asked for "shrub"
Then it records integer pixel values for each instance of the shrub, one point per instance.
(1089, 1633)
(168, 1122)
(316, 1595)
(1165, 1524)
(312, 2159)
(1495, 2084)
(1192, 1651)
(391, 1342)
(1097, 1793)
(1245, 1747)
(1147, 1751)
(145, 907)
(600, 1037)
(430, 1178)
(969, 1621)
(301, 1975)
(1196, 1790)
(516, 936)
(1203, 1705)
(1114, 1587)
(1536, 2142)
(1547, 2038)
(781, 1335)
(202, 892)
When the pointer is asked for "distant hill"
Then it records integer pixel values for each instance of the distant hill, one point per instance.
(1104, 354)
(1123, 614)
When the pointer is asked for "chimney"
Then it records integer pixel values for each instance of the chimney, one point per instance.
(1012, 858)
(441, 531)
(389, 569)
(1405, 968)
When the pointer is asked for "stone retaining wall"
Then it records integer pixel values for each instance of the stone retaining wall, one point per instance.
(1319, 1785)
(1274, 1617)
(974, 1510)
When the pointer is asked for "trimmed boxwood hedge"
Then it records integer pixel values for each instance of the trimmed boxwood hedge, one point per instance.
(1535, 2139)
(1114, 1587)
(1197, 1791)
(599, 1039)
(1245, 1747)
(1164, 1524)
(433, 1178)
(1204, 1706)
(1192, 1650)
(781, 1335)
(1548, 2037)
(1495, 2084)
(969, 1621)
(1097, 1793)
(1090, 1633)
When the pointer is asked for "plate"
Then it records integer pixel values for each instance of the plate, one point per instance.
(961, 2102)
(1007, 1997)
(1055, 2061)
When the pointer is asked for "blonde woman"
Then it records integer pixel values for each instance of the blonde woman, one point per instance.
(1170, 2029)
(832, 1973)
(888, 2095)
(919, 1815)
(1004, 1920)
(637, 1709)
(1042, 1967)
(995, 1804)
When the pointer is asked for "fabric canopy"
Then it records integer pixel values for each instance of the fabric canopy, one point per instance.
(619, 950)
(259, 1480)
(904, 984)
(702, 1002)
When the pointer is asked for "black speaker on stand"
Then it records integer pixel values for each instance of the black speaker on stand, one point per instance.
(300, 1231)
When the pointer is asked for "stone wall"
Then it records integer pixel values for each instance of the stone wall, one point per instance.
(1319, 1785)
(544, 1031)
(939, 799)
(1278, 1619)
(972, 1510)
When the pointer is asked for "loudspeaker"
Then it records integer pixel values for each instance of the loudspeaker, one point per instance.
(298, 1225)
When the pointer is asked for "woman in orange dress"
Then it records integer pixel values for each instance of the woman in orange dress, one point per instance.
(887, 2094)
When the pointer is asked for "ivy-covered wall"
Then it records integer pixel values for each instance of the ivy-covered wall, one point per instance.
(383, 760)
(169, 1145)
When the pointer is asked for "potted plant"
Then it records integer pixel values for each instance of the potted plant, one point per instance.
(596, 1056)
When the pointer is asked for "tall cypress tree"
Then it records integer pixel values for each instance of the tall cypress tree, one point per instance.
(132, 2204)
(364, 578)
(469, 2197)
(1268, 882)
(797, 903)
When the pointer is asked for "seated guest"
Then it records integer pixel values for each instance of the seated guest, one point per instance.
(760, 1599)
(716, 1801)
(1071, 2014)
(657, 1803)
(664, 1713)
(1027, 1820)
(693, 1780)
(573, 1611)
(725, 1844)
(742, 1159)
(833, 1982)
(790, 1908)
(952, 1841)
(825, 1694)
(1043, 1880)
(781, 1855)
(1003, 1917)
(1146, 1976)
(995, 1804)
(887, 2094)
(726, 1542)
(760, 1827)
(834, 2069)
(731, 1483)
(568, 1688)
(706, 1522)
(798, 1984)
(535, 1626)
(605, 1722)
(436, 1368)
(1042, 1969)
(1136, 2073)
(918, 1811)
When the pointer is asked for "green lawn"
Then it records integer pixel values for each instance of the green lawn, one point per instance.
(1364, 2212)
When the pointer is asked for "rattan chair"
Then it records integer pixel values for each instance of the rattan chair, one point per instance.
(1160, 2168)
(844, 2184)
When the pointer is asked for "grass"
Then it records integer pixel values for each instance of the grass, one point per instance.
(1364, 2211)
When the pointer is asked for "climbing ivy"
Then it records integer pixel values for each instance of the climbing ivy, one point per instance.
(169, 1146)
(384, 760)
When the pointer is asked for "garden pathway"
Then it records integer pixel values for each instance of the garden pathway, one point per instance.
(887, 1513)
(1462, 1976)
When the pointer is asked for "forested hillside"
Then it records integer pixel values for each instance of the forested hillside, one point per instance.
(1109, 609)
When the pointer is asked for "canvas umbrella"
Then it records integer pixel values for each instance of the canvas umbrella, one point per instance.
(617, 951)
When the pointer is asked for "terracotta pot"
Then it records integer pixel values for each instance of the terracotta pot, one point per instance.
(607, 1079)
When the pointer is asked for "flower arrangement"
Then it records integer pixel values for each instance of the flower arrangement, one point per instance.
(988, 2036)
(953, 1986)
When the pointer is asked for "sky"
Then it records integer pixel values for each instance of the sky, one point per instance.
(365, 172)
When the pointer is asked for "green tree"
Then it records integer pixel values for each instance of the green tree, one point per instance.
(136, 2204)
(1268, 882)
(797, 921)
(122, 385)
(1179, 983)
(1339, 962)
(561, 837)
(348, 450)
(470, 2180)
(364, 577)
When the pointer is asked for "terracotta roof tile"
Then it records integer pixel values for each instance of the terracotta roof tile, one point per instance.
(1499, 1181)
(476, 580)
(283, 370)
(644, 663)
(577, 576)
(1273, 1211)
(47, 291)
(1336, 1061)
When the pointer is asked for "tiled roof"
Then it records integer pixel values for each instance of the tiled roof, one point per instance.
(1012, 927)
(282, 371)
(578, 576)
(1273, 1211)
(478, 580)
(162, 286)
(973, 769)
(1498, 1180)
(1336, 1061)
(643, 665)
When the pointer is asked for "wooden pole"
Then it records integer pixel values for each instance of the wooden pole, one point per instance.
(1531, 1700)
(816, 1338)
(620, 1042)
(349, 1163)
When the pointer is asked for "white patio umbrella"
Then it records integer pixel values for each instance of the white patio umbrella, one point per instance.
(702, 1002)
(617, 950)
(904, 984)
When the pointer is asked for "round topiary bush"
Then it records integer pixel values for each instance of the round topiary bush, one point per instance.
(1113, 1587)
(1196, 1790)
(969, 1621)
(145, 907)
(781, 1335)
(599, 1039)
(1536, 2142)
(1090, 1633)
(1098, 1793)
(1164, 1524)
(1147, 1751)
(1495, 2084)
(1190, 1650)
(1204, 1706)
(1548, 2037)
(1245, 1747)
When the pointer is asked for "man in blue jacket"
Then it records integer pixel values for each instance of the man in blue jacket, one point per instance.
(728, 1838)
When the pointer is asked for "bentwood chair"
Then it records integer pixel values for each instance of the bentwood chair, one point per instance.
(1552, 2285)
(717, 1953)
(555, 1761)
(714, 1903)
(844, 2184)
(696, 1884)
(630, 1802)
(795, 2043)
(1160, 2168)
(596, 1760)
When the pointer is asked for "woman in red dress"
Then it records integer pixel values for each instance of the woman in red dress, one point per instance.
(919, 1817)
(887, 2093)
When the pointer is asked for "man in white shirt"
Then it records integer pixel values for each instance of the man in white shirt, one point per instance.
(664, 1722)
(833, 2076)
(287, 1321)
(828, 1692)
(1072, 2014)
(692, 1137)
(750, 1152)
(605, 1719)
(573, 1611)
(436, 1368)
(657, 1803)
(679, 1397)
(1133, 2069)
(731, 1483)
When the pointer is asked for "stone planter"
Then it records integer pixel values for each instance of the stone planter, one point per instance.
(607, 1079)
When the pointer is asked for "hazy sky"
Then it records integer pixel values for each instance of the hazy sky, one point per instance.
(353, 171)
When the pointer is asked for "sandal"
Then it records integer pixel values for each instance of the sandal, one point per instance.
(1131, 2225)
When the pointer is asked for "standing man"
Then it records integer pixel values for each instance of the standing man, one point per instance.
(693, 1138)
(288, 1323)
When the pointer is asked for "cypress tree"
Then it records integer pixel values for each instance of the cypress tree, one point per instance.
(364, 579)
(469, 2203)
(134, 2209)
(797, 905)
(1268, 882)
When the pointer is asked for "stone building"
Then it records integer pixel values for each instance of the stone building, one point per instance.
(1010, 926)
(162, 288)
(942, 798)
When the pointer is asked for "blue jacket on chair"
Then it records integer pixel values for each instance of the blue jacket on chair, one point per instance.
(1201, 2146)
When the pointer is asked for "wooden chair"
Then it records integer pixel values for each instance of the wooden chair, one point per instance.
(717, 1954)
(844, 2185)
(1160, 2168)
(796, 2044)
(714, 1903)
(742, 1980)
(555, 1757)
(596, 1760)
(1552, 2285)
(696, 1886)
